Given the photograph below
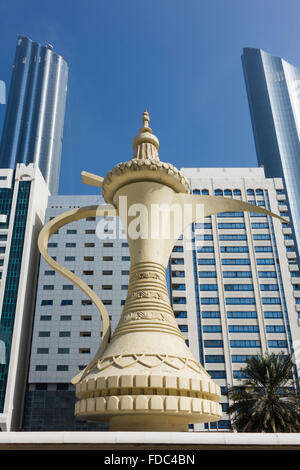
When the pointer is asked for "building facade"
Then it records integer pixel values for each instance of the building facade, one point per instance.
(235, 282)
(34, 119)
(23, 201)
(274, 101)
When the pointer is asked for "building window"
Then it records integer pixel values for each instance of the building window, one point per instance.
(233, 237)
(179, 300)
(260, 249)
(204, 261)
(70, 245)
(45, 318)
(49, 273)
(239, 374)
(90, 232)
(178, 286)
(259, 225)
(52, 245)
(273, 314)
(212, 329)
(242, 314)
(183, 328)
(64, 334)
(178, 249)
(275, 329)
(48, 287)
(86, 317)
(240, 357)
(88, 273)
(88, 258)
(211, 314)
(213, 343)
(41, 368)
(125, 258)
(205, 249)
(271, 300)
(62, 368)
(207, 237)
(85, 334)
(125, 273)
(261, 236)
(264, 261)
(237, 274)
(63, 351)
(68, 287)
(44, 334)
(181, 314)
(71, 232)
(205, 287)
(86, 302)
(271, 274)
(243, 329)
(231, 225)
(217, 374)
(66, 302)
(278, 343)
(42, 350)
(231, 214)
(66, 317)
(89, 245)
(229, 261)
(240, 343)
(47, 302)
(107, 258)
(69, 258)
(203, 225)
(84, 351)
(177, 261)
(207, 274)
(240, 301)
(238, 287)
(108, 245)
(234, 249)
(214, 358)
(210, 301)
(269, 287)
(178, 274)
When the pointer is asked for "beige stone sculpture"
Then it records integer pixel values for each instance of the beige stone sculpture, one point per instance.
(144, 377)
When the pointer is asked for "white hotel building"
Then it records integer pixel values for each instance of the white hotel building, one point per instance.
(235, 293)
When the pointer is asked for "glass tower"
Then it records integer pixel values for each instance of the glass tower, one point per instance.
(34, 119)
(273, 89)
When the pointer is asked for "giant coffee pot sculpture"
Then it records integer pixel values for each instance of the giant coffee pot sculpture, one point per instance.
(144, 377)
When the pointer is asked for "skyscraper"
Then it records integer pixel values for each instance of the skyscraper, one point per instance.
(23, 201)
(34, 120)
(273, 89)
(235, 282)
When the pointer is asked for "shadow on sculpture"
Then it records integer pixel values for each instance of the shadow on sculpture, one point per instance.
(144, 377)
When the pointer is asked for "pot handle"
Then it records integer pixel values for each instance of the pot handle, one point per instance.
(44, 236)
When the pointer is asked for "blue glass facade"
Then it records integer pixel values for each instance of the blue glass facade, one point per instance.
(12, 281)
(273, 94)
(33, 126)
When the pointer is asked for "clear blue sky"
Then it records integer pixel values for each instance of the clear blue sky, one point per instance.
(180, 59)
